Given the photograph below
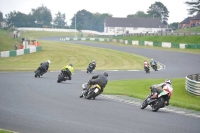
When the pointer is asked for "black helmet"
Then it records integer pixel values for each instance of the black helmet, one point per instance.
(106, 74)
(71, 65)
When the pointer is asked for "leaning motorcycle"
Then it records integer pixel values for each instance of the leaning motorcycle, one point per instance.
(92, 92)
(147, 70)
(155, 103)
(63, 76)
(154, 66)
(90, 69)
(39, 72)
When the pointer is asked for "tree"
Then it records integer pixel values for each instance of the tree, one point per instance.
(174, 25)
(195, 6)
(86, 20)
(138, 14)
(41, 17)
(59, 20)
(17, 19)
(158, 10)
(1, 16)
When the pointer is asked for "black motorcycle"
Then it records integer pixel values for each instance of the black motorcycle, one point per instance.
(154, 66)
(155, 103)
(92, 92)
(39, 72)
(63, 76)
(146, 68)
(90, 69)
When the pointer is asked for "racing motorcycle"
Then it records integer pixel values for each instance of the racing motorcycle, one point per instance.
(155, 103)
(90, 68)
(39, 72)
(154, 66)
(146, 67)
(63, 76)
(92, 92)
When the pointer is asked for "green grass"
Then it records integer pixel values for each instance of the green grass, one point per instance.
(173, 39)
(140, 89)
(189, 30)
(6, 131)
(62, 53)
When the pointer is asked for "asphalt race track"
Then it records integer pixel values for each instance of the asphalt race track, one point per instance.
(41, 105)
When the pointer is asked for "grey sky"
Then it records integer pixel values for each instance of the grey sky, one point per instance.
(118, 8)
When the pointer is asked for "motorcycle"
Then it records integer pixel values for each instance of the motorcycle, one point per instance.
(92, 92)
(39, 72)
(154, 66)
(146, 67)
(90, 69)
(155, 103)
(63, 76)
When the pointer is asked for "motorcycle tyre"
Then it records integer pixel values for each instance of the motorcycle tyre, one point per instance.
(160, 104)
(37, 74)
(60, 78)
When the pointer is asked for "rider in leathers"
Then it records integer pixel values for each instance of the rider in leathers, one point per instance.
(100, 79)
(167, 86)
(70, 70)
(44, 66)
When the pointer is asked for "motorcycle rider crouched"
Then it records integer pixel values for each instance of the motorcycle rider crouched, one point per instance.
(69, 69)
(44, 66)
(167, 86)
(93, 64)
(100, 79)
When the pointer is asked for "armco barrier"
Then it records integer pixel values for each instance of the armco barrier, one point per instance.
(192, 84)
(20, 52)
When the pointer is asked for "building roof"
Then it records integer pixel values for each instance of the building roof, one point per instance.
(186, 21)
(134, 22)
(197, 17)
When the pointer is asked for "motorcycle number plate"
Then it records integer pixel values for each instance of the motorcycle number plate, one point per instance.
(96, 90)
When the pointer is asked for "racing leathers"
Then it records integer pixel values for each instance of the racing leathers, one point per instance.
(158, 88)
(43, 67)
(70, 71)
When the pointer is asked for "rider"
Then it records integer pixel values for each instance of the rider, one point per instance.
(44, 66)
(146, 64)
(167, 86)
(153, 62)
(100, 79)
(93, 64)
(69, 68)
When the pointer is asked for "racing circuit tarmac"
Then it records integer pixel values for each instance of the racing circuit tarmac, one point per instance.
(41, 105)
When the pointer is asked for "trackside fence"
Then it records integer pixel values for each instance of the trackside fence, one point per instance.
(192, 84)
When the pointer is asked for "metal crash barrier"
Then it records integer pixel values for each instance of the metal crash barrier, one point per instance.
(192, 84)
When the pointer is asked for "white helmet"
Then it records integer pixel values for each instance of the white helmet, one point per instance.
(151, 58)
(93, 61)
(49, 61)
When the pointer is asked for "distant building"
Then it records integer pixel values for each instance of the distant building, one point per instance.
(190, 22)
(133, 25)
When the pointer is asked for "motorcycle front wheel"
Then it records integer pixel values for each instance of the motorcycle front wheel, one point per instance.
(158, 104)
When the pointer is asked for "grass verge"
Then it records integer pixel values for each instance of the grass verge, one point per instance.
(140, 89)
(62, 53)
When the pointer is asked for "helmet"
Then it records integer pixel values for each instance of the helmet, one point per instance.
(168, 81)
(105, 73)
(151, 58)
(71, 65)
(93, 61)
(49, 61)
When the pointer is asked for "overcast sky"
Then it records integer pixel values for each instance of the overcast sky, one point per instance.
(118, 8)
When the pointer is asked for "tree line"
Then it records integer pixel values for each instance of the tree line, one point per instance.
(85, 20)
